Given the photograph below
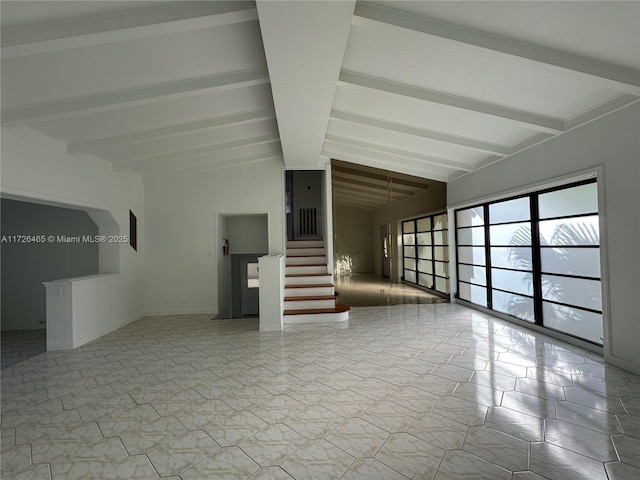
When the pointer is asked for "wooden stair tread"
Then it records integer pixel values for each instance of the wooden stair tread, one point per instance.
(309, 297)
(337, 309)
(308, 275)
(310, 285)
(304, 256)
(306, 264)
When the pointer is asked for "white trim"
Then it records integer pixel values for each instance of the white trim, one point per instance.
(183, 311)
(528, 120)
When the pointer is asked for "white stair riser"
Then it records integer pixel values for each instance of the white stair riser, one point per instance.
(304, 251)
(313, 280)
(306, 260)
(305, 304)
(305, 243)
(308, 269)
(308, 291)
(317, 317)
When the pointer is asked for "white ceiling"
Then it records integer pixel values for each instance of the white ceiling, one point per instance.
(430, 89)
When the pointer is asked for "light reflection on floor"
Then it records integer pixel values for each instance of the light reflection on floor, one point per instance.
(368, 290)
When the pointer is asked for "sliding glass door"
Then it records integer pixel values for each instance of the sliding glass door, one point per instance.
(425, 252)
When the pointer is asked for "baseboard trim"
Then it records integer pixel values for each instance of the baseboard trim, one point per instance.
(187, 311)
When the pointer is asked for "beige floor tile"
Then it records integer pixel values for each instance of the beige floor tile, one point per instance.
(318, 459)
(439, 430)
(328, 386)
(557, 463)
(498, 448)
(410, 456)
(458, 464)
(358, 437)
(271, 446)
(182, 452)
(152, 434)
(228, 463)
(579, 439)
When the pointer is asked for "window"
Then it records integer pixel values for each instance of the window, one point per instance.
(425, 252)
(253, 275)
(471, 252)
(535, 257)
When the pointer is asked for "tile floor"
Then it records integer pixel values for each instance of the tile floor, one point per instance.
(18, 345)
(410, 391)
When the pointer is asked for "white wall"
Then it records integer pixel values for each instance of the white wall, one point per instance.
(182, 245)
(613, 143)
(346, 219)
(36, 168)
(248, 234)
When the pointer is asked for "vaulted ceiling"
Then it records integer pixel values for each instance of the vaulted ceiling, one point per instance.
(430, 89)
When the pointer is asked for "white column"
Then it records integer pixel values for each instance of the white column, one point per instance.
(271, 271)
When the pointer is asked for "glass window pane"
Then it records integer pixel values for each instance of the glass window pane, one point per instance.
(410, 276)
(570, 231)
(408, 227)
(471, 236)
(473, 255)
(573, 291)
(424, 252)
(425, 266)
(470, 217)
(516, 305)
(425, 280)
(442, 285)
(253, 277)
(511, 257)
(472, 274)
(473, 293)
(581, 262)
(424, 238)
(442, 269)
(440, 222)
(424, 224)
(518, 282)
(440, 237)
(510, 211)
(410, 263)
(511, 234)
(441, 253)
(408, 239)
(577, 322)
(409, 251)
(569, 201)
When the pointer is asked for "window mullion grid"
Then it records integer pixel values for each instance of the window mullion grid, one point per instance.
(415, 251)
(536, 260)
(457, 244)
(433, 253)
(487, 256)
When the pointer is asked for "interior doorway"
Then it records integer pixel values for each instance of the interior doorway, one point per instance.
(304, 197)
(245, 284)
(369, 206)
(241, 240)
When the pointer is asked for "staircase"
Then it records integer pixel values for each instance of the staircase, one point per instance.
(309, 291)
